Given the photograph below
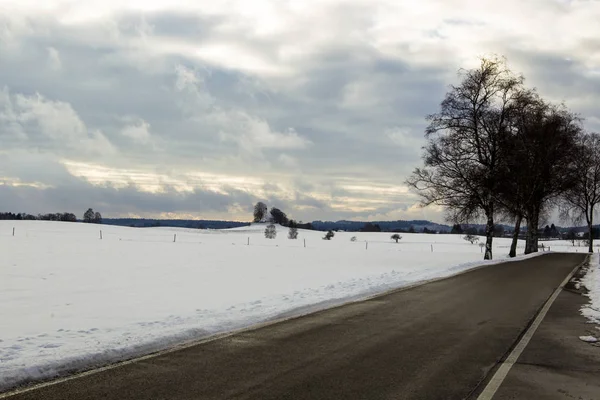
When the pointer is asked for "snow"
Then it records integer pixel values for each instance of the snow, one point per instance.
(70, 301)
(588, 339)
(591, 281)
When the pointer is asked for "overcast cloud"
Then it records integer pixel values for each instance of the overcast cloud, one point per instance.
(198, 109)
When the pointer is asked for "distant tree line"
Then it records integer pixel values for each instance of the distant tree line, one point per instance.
(64, 217)
(89, 216)
(496, 150)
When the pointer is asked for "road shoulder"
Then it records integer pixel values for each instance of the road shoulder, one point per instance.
(557, 364)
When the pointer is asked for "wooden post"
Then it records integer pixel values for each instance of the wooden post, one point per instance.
(304, 243)
(248, 240)
(174, 238)
(432, 248)
(366, 245)
(100, 234)
(13, 231)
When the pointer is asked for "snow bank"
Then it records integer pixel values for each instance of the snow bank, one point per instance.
(70, 301)
(592, 282)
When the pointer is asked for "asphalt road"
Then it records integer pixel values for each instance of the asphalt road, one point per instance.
(571, 370)
(436, 341)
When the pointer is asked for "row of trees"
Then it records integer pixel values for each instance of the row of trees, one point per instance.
(64, 217)
(276, 216)
(271, 230)
(497, 150)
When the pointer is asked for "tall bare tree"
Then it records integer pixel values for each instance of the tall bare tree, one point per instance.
(579, 202)
(462, 157)
(544, 141)
(513, 189)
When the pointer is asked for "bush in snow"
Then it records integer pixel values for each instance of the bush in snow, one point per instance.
(471, 238)
(293, 232)
(270, 231)
(328, 235)
(396, 237)
(353, 239)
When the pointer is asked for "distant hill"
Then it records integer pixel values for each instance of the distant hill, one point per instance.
(177, 223)
(386, 226)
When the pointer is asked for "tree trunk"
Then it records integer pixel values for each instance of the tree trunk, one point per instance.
(532, 232)
(515, 238)
(489, 233)
(591, 231)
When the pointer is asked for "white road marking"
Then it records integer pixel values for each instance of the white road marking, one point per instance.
(501, 373)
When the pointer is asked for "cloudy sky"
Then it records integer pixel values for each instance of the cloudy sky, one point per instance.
(197, 108)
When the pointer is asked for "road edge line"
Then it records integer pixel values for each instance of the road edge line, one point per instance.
(223, 335)
(502, 372)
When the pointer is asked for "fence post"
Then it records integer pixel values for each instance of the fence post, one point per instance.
(248, 240)
(366, 245)
(101, 234)
(432, 248)
(13, 231)
(174, 237)
(304, 243)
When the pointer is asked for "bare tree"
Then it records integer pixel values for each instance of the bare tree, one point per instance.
(270, 231)
(293, 231)
(471, 238)
(279, 217)
(89, 216)
(260, 211)
(396, 237)
(544, 138)
(578, 203)
(512, 189)
(462, 157)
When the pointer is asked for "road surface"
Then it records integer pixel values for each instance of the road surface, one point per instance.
(436, 341)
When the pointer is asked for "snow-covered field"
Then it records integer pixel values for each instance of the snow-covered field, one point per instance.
(69, 300)
(592, 282)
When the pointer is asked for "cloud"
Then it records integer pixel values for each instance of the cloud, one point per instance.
(322, 98)
(49, 125)
(138, 131)
(54, 58)
(254, 134)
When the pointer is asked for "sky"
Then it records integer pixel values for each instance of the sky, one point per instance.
(199, 109)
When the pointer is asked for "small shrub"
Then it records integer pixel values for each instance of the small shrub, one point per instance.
(396, 237)
(353, 239)
(293, 233)
(471, 238)
(328, 235)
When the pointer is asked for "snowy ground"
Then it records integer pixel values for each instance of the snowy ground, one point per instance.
(592, 282)
(69, 300)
